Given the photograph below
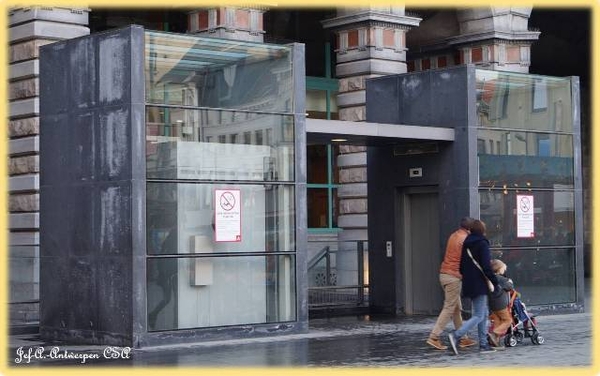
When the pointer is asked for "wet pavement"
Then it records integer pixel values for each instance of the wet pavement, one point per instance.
(365, 341)
(341, 342)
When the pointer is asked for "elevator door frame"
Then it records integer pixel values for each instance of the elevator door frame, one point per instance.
(409, 284)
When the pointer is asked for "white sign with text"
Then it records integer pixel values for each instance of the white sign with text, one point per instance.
(525, 216)
(228, 215)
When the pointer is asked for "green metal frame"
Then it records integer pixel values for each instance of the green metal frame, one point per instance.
(329, 85)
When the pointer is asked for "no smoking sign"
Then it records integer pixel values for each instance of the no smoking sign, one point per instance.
(228, 215)
(525, 216)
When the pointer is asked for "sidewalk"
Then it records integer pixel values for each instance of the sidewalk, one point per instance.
(349, 342)
(366, 341)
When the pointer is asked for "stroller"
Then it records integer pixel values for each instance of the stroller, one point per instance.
(523, 324)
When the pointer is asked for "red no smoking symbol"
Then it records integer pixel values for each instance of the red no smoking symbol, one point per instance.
(525, 204)
(227, 201)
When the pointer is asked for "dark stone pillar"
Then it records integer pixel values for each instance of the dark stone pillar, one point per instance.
(92, 191)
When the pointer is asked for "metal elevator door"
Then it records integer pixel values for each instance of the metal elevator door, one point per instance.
(422, 252)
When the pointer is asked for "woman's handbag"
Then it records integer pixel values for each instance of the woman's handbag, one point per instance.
(490, 285)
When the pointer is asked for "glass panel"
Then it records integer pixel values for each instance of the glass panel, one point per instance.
(24, 264)
(316, 101)
(316, 104)
(317, 164)
(219, 73)
(180, 218)
(342, 261)
(335, 171)
(317, 208)
(344, 267)
(544, 276)
(178, 145)
(334, 207)
(513, 100)
(554, 218)
(217, 291)
(525, 159)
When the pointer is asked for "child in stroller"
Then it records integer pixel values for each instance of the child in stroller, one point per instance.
(509, 316)
(498, 301)
(524, 324)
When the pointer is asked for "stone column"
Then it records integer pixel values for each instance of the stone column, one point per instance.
(239, 23)
(30, 28)
(494, 38)
(371, 42)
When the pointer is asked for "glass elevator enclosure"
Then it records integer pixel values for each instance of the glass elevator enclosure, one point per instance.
(184, 161)
(515, 163)
(220, 208)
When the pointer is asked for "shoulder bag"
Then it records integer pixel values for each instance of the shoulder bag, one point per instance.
(490, 285)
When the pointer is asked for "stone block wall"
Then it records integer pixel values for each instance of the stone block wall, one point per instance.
(30, 28)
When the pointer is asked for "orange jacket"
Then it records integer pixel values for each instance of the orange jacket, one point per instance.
(451, 262)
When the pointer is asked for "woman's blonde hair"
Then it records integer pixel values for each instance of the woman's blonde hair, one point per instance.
(498, 266)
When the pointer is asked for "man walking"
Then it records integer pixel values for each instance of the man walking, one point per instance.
(451, 281)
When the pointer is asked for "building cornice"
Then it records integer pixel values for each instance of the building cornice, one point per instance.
(511, 36)
(371, 18)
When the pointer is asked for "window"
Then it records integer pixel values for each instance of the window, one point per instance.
(322, 179)
(248, 138)
(321, 92)
(540, 95)
(322, 174)
(258, 137)
(481, 146)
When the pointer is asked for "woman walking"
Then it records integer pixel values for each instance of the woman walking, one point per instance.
(476, 271)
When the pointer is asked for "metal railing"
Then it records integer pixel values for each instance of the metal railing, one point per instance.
(337, 274)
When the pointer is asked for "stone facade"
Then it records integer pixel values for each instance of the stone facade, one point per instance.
(228, 22)
(30, 28)
(370, 42)
(495, 38)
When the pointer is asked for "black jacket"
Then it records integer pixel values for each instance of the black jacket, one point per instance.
(473, 281)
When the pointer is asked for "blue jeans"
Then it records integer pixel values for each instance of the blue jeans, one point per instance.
(479, 316)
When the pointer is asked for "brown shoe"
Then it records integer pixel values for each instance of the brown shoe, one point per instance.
(436, 343)
(466, 342)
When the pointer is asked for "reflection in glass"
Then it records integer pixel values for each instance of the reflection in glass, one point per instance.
(219, 73)
(544, 276)
(554, 218)
(219, 115)
(318, 204)
(514, 100)
(180, 218)
(178, 147)
(317, 167)
(318, 106)
(525, 159)
(218, 291)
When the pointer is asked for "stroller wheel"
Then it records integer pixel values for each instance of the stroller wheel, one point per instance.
(537, 339)
(519, 336)
(510, 340)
